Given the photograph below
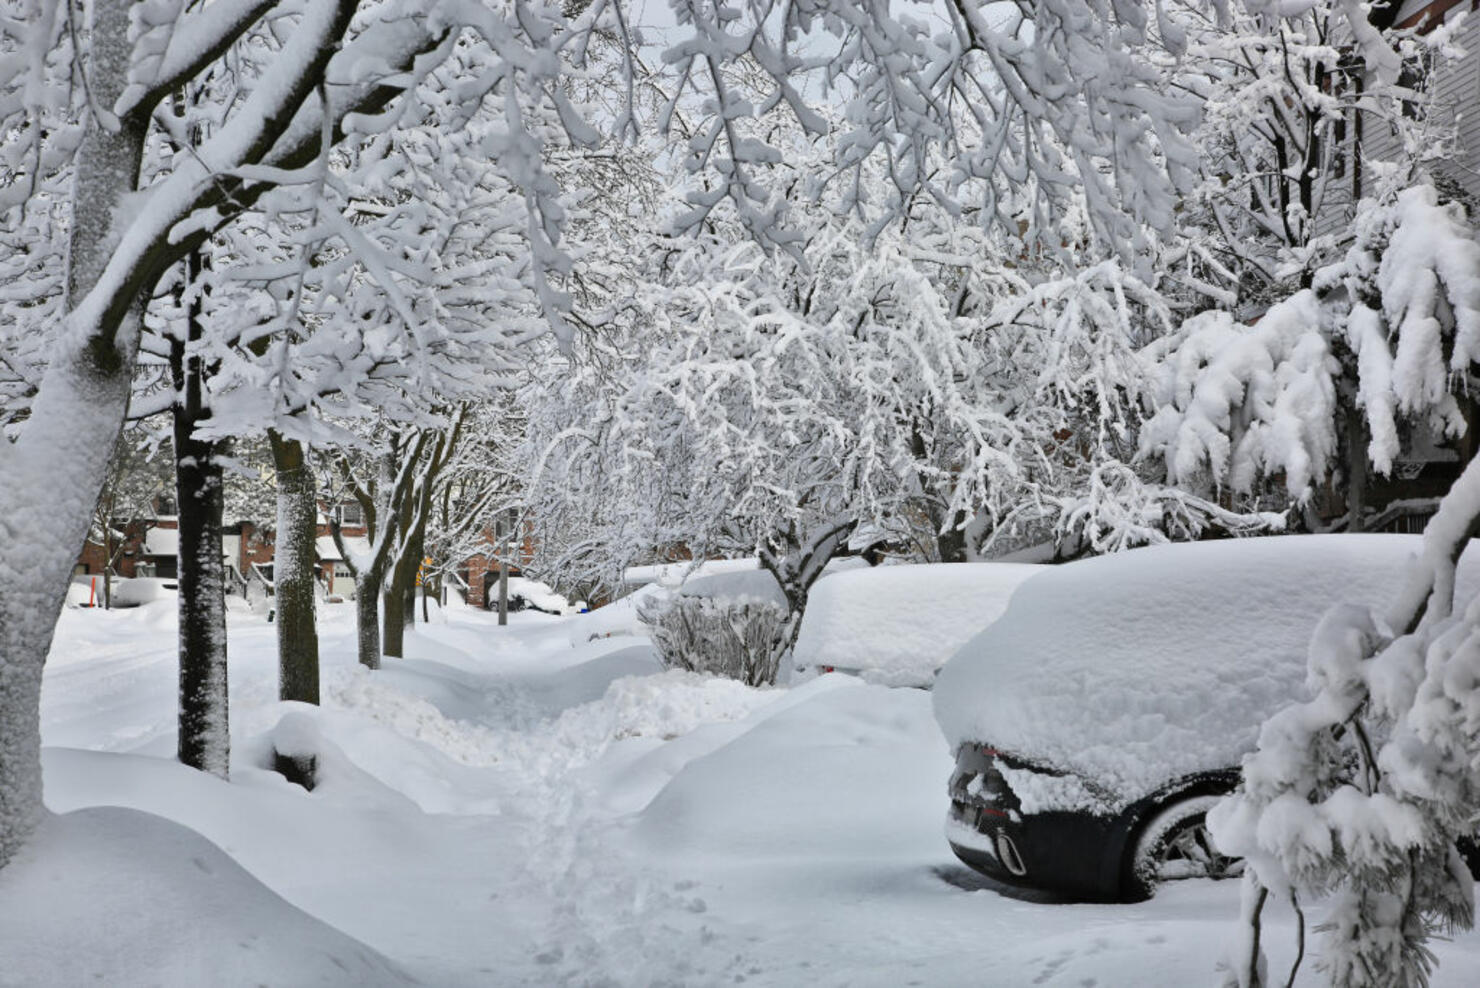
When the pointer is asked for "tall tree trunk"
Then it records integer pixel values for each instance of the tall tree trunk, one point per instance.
(55, 470)
(367, 618)
(204, 737)
(292, 571)
(401, 580)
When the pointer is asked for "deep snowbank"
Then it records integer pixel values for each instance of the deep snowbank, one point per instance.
(116, 897)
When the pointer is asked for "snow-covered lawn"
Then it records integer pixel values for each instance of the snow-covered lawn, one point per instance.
(525, 806)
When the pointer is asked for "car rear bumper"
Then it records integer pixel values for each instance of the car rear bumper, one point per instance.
(1073, 854)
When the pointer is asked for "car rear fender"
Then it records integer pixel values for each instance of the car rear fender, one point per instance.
(1116, 864)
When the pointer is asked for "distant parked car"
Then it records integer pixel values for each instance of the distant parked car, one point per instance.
(1097, 721)
(897, 625)
(143, 590)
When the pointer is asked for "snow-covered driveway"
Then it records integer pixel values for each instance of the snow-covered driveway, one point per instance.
(524, 806)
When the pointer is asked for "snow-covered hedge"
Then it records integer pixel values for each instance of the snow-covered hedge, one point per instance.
(733, 637)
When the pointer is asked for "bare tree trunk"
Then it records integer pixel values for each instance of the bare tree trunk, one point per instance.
(204, 734)
(798, 570)
(367, 618)
(951, 543)
(292, 571)
(107, 566)
(56, 468)
(393, 617)
(1356, 466)
(416, 551)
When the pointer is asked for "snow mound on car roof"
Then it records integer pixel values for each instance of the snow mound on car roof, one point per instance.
(898, 624)
(1135, 669)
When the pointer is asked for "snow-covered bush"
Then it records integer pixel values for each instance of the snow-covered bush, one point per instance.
(734, 637)
(1340, 376)
(1360, 795)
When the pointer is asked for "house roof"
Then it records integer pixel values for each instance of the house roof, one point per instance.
(162, 542)
(329, 552)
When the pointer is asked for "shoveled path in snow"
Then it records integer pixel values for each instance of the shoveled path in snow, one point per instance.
(527, 806)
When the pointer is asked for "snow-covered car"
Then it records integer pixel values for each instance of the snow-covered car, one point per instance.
(142, 590)
(897, 625)
(1096, 722)
(529, 594)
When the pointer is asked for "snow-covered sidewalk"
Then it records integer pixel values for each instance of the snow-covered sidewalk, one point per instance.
(531, 806)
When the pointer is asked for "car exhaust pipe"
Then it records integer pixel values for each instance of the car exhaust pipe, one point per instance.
(1007, 853)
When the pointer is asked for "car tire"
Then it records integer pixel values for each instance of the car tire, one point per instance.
(1173, 844)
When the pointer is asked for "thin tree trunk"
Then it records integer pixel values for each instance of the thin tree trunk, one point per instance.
(56, 468)
(1356, 466)
(204, 736)
(107, 566)
(292, 572)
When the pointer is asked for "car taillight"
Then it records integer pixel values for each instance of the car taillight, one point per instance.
(829, 669)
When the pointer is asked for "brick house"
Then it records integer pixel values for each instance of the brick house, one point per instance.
(479, 572)
(150, 548)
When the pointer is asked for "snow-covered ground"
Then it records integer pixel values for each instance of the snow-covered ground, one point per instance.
(533, 806)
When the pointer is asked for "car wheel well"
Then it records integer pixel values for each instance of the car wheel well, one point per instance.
(1165, 810)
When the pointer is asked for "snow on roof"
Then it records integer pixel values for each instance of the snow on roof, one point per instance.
(898, 624)
(328, 552)
(162, 542)
(750, 584)
(1138, 668)
(672, 574)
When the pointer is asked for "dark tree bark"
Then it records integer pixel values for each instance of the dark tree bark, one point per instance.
(797, 570)
(951, 543)
(292, 571)
(1356, 472)
(367, 619)
(204, 740)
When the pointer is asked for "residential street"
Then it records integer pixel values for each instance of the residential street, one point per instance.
(524, 806)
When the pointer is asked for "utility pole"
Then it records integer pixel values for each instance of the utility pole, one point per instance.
(503, 586)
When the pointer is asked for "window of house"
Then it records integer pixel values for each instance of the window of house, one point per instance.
(505, 523)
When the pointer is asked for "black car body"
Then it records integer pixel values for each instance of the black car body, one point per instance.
(1097, 720)
(1086, 855)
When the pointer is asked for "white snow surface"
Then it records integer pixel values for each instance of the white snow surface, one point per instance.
(897, 625)
(1134, 669)
(527, 806)
(673, 574)
(162, 542)
(113, 896)
(753, 585)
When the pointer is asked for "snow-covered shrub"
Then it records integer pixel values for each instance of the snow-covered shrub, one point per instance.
(734, 637)
(1361, 794)
(1379, 348)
